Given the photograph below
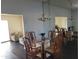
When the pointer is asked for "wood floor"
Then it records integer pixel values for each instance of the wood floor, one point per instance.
(70, 51)
(14, 50)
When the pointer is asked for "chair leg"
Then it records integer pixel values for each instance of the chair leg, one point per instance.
(27, 57)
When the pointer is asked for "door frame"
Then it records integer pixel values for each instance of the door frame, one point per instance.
(22, 20)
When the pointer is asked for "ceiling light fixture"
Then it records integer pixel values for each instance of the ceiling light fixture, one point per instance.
(44, 17)
(71, 9)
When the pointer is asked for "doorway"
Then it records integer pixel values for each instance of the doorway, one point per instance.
(15, 24)
(4, 31)
(61, 22)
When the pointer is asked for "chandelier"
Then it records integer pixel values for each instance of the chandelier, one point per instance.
(44, 17)
(71, 18)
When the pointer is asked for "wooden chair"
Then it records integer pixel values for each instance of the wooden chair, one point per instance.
(75, 35)
(32, 35)
(69, 35)
(31, 50)
(32, 43)
(51, 36)
(27, 35)
(57, 46)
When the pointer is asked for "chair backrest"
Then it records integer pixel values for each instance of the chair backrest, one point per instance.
(75, 34)
(27, 35)
(50, 37)
(32, 35)
(27, 44)
(58, 42)
(57, 46)
(68, 34)
(32, 38)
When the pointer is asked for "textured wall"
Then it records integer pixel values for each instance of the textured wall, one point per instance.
(75, 19)
(31, 10)
(56, 11)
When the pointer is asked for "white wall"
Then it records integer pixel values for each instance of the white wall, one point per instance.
(31, 10)
(56, 11)
(75, 19)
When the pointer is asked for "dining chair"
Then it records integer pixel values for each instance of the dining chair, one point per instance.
(31, 50)
(69, 35)
(75, 35)
(57, 46)
(32, 35)
(51, 36)
(27, 35)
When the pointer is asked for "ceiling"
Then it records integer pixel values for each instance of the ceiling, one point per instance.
(64, 3)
